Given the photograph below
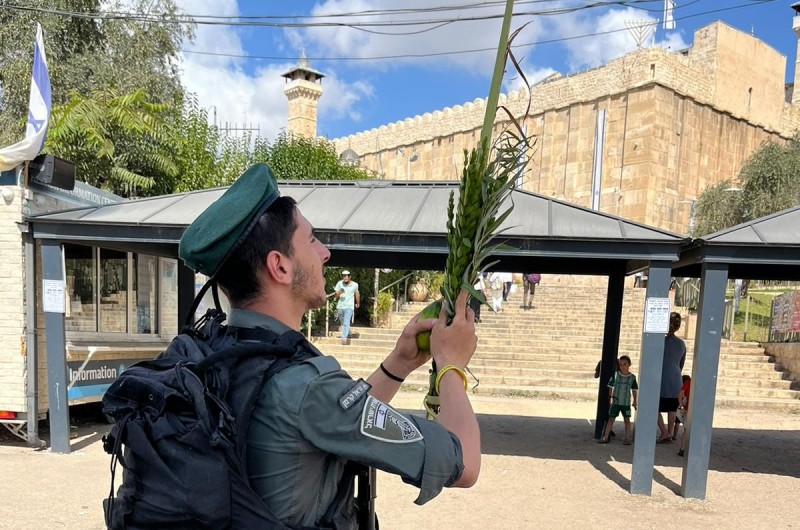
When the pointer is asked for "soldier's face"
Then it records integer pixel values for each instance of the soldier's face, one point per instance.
(309, 257)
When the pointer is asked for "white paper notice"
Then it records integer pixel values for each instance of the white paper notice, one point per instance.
(656, 316)
(53, 296)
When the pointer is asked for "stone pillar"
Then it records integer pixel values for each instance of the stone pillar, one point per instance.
(303, 90)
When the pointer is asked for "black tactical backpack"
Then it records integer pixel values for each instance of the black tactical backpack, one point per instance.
(183, 420)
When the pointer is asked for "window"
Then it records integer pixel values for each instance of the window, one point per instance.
(113, 291)
(145, 280)
(120, 293)
(81, 273)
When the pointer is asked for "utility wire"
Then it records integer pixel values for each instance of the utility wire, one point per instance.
(192, 19)
(361, 26)
(463, 52)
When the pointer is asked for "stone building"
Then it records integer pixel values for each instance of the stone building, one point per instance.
(674, 123)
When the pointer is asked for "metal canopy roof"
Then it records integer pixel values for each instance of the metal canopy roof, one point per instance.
(387, 224)
(767, 248)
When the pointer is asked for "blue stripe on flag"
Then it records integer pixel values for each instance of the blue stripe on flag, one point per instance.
(40, 99)
(38, 112)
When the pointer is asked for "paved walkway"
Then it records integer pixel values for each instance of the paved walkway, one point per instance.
(541, 469)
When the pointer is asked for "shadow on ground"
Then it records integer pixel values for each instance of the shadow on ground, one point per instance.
(765, 451)
(774, 452)
(88, 425)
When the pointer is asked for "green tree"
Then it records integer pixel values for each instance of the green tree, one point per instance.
(207, 158)
(115, 141)
(194, 147)
(85, 54)
(717, 208)
(768, 182)
(299, 158)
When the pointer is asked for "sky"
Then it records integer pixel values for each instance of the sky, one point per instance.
(390, 70)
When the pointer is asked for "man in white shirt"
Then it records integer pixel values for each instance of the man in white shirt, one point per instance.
(348, 300)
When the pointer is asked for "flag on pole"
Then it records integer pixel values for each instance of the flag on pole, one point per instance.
(669, 19)
(38, 112)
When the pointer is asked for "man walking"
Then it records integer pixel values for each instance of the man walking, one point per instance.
(348, 300)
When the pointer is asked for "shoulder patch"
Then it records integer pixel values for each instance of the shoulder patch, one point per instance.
(382, 422)
(354, 394)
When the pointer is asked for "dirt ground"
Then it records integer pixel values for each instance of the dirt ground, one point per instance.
(541, 469)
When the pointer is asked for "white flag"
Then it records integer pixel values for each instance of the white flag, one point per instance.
(669, 19)
(38, 112)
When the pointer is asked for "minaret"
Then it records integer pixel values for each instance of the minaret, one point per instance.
(796, 28)
(303, 90)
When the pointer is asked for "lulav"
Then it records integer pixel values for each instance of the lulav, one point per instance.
(472, 224)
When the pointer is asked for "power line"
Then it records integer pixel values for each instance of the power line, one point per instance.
(241, 22)
(361, 26)
(750, 3)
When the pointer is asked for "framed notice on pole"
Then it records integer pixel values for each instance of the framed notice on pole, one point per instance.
(656, 315)
(53, 298)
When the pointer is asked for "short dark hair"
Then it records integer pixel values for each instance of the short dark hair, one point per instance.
(674, 321)
(240, 277)
(625, 358)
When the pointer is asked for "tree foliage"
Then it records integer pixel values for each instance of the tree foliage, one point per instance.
(300, 158)
(207, 157)
(768, 182)
(84, 54)
(115, 140)
(717, 208)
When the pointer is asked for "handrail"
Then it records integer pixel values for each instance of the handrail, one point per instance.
(396, 282)
(688, 293)
(310, 313)
(310, 317)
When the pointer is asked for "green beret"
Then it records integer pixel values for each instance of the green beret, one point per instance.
(224, 225)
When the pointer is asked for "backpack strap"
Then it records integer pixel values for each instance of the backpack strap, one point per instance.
(242, 351)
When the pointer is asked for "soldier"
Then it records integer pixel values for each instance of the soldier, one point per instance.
(312, 418)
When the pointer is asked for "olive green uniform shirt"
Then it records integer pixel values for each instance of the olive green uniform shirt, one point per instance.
(312, 417)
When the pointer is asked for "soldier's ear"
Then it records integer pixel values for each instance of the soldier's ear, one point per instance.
(279, 268)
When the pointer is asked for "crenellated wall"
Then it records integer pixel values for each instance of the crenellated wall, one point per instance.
(676, 122)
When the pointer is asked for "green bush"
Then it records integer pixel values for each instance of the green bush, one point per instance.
(385, 301)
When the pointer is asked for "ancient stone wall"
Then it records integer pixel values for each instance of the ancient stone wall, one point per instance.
(676, 122)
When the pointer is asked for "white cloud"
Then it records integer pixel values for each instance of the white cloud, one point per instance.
(610, 36)
(242, 97)
(533, 75)
(394, 40)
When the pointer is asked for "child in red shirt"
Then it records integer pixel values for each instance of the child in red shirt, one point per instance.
(683, 409)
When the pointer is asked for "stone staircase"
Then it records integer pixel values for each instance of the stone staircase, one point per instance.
(552, 350)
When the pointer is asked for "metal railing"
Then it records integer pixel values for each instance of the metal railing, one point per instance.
(687, 292)
(727, 319)
(400, 297)
(399, 302)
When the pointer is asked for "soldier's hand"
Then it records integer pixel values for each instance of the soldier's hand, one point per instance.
(455, 344)
(406, 350)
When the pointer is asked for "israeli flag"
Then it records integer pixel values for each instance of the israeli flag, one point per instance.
(38, 113)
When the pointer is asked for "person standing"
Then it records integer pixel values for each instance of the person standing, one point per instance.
(683, 409)
(348, 300)
(529, 283)
(671, 381)
(481, 287)
(621, 388)
(311, 420)
(497, 287)
(508, 281)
